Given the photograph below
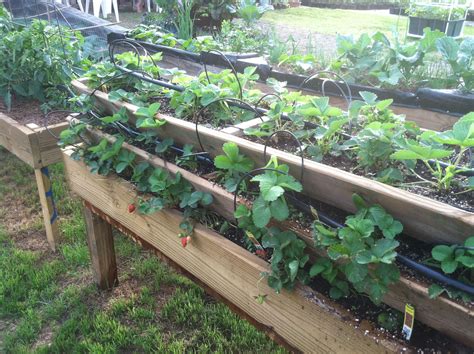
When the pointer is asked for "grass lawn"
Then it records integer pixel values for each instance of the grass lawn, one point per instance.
(333, 21)
(49, 303)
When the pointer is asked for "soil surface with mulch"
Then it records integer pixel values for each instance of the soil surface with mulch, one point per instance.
(29, 111)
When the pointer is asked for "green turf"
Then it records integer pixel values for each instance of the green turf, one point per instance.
(49, 303)
(337, 21)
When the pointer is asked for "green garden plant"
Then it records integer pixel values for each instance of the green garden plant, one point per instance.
(460, 58)
(454, 260)
(363, 252)
(233, 164)
(35, 59)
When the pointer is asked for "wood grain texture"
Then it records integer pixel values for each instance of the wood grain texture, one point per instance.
(450, 317)
(305, 319)
(424, 118)
(19, 140)
(101, 250)
(34, 145)
(423, 218)
(43, 182)
(48, 143)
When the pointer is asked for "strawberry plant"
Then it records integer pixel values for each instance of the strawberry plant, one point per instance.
(374, 145)
(454, 259)
(234, 164)
(147, 117)
(371, 110)
(271, 203)
(362, 252)
(288, 259)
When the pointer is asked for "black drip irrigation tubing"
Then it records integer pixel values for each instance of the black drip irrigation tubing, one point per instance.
(462, 171)
(304, 207)
(420, 268)
(263, 111)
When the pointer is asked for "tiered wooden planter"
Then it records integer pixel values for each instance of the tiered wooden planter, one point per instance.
(303, 320)
(423, 218)
(37, 147)
(442, 314)
(426, 119)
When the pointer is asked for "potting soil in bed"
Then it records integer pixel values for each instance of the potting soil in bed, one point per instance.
(29, 111)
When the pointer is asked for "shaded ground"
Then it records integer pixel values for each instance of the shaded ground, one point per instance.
(49, 303)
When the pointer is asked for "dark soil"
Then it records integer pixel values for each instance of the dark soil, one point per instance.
(29, 111)
(455, 197)
(365, 312)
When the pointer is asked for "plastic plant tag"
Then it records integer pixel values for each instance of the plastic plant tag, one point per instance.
(408, 322)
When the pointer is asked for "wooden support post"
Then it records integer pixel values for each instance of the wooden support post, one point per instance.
(101, 248)
(50, 214)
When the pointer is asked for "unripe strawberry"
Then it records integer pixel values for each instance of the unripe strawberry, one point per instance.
(188, 239)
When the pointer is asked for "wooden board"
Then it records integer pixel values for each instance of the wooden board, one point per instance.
(36, 146)
(101, 249)
(19, 140)
(48, 143)
(305, 319)
(424, 118)
(423, 218)
(441, 313)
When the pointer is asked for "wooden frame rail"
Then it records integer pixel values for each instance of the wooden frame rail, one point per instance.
(305, 320)
(36, 146)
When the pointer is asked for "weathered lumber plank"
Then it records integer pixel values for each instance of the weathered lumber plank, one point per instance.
(48, 143)
(305, 319)
(441, 313)
(19, 140)
(48, 207)
(101, 249)
(424, 118)
(423, 218)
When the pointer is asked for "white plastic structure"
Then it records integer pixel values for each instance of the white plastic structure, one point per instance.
(105, 5)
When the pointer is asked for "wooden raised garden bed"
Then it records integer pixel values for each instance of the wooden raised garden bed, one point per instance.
(304, 320)
(426, 119)
(36, 146)
(449, 317)
(423, 218)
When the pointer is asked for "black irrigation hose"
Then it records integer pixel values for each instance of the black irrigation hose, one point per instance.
(251, 174)
(265, 96)
(426, 271)
(347, 97)
(430, 273)
(287, 132)
(263, 111)
(135, 46)
(231, 66)
(135, 133)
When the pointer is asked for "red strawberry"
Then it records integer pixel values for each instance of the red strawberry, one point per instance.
(184, 241)
(131, 208)
(261, 253)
